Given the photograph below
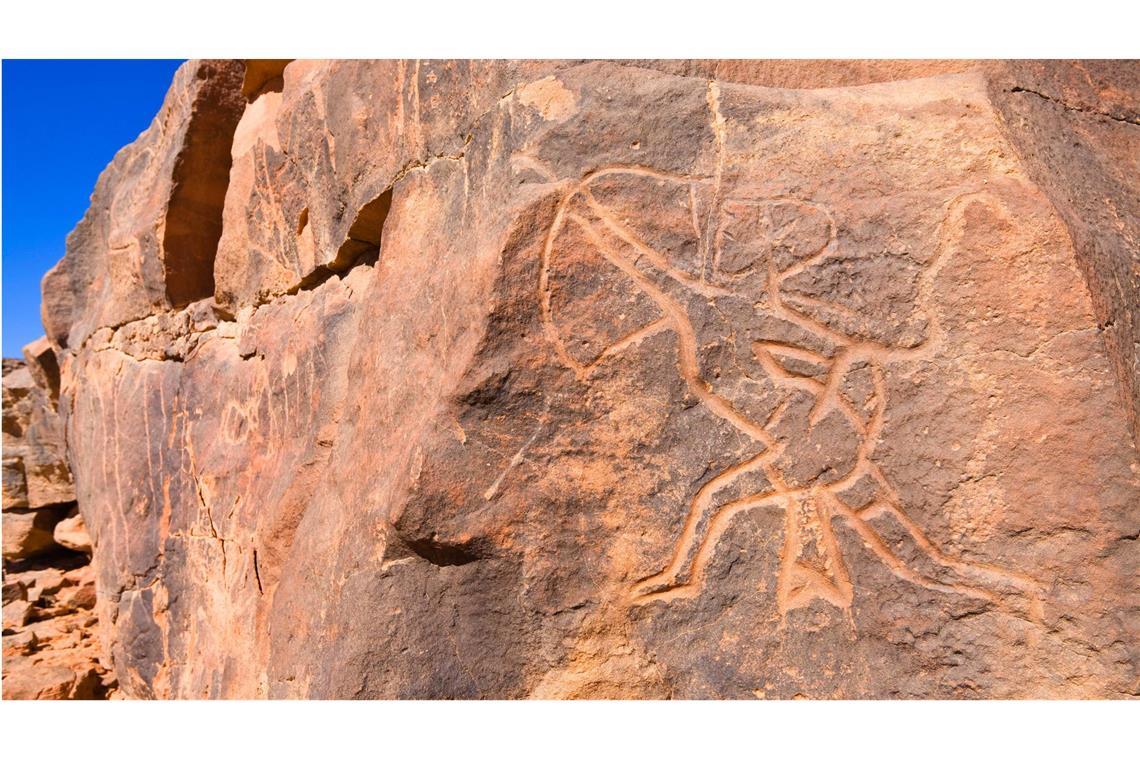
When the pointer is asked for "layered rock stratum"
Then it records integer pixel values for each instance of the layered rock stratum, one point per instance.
(632, 379)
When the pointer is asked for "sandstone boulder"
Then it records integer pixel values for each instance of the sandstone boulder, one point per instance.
(26, 679)
(80, 597)
(652, 379)
(40, 359)
(28, 533)
(14, 589)
(78, 576)
(71, 533)
(20, 644)
(17, 614)
(36, 471)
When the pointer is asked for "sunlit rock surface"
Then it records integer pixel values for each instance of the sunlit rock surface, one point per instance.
(587, 379)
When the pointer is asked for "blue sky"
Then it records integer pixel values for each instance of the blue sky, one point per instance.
(63, 122)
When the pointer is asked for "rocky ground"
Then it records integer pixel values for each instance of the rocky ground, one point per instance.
(51, 646)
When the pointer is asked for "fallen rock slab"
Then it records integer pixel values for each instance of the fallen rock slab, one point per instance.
(17, 614)
(28, 533)
(27, 678)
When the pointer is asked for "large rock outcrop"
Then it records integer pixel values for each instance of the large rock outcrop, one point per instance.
(652, 379)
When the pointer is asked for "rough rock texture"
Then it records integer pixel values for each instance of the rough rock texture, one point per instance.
(50, 647)
(588, 379)
(51, 650)
(38, 491)
(36, 472)
(1077, 124)
(71, 533)
(155, 213)
(29, 533)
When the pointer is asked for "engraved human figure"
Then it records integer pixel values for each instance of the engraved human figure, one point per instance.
(707, 263)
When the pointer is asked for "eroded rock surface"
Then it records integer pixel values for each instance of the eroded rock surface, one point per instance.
(51, 650)
(651, 379)
(36, 471)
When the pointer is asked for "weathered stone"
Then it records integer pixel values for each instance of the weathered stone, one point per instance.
(148, 241)
(17, 613)
(13, 590)
(25, 679)
(79, 576)
(319, 216)
(28, 533)
(1077, 126)
(81, 597)
(48, 580)
(71, 532)
(568, 379)
(40, 359)
(49, 653)
(36, 472)
(48, 630)
(15, 484)
(22, 643)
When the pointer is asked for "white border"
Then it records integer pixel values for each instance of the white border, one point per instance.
(581, 28)
(581, 731)
(574, 28)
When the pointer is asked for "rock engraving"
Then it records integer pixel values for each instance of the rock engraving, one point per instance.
(738, 256)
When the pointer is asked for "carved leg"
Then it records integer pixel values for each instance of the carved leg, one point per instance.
(980, 572)
(811, 565)
(693, 545)
(878, 546)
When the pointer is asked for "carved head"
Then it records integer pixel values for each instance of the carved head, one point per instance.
(626, 238)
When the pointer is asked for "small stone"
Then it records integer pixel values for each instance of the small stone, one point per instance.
(46, 581)
(71, 532)
(20, 643)
(17, 613)
(80, 575)
(77, 597)
(13, 590)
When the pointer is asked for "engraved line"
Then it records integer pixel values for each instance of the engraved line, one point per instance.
(686, 343)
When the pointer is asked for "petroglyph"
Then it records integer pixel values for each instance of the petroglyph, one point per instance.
(662, 269)
(819, 397)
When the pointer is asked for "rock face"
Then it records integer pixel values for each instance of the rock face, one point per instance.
(38, 491)
(1076, 126)
(36, 472)
(656, 379)
(50, 647)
